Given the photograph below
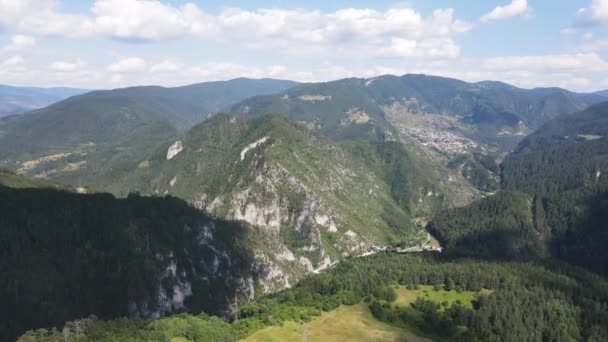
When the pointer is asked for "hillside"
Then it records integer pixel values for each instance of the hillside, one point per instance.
(602, 93)
(65, 255)
(315, 203)
(17, 100)
(392, 296)
(10, 179)
(461, 129)
(417, 105)
(76, 138)
(563, 194)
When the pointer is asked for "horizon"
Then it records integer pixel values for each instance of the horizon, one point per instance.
(110, 44)
(297, 82)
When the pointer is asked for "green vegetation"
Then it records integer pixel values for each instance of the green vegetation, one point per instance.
(123, 124)
(487, 107)
(557, 302)
(294, 172)
(65, 255)
(311, 202)
(481, 170)
(10, 179)
(16, 100)
(344, 324)
(439, 295)
(555, 201)
(498, 226)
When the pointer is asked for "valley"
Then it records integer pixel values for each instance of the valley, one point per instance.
(223, 171)
(225, 212)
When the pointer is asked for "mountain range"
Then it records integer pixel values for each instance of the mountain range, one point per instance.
(248, 186)
(17, 100)
(554, 199)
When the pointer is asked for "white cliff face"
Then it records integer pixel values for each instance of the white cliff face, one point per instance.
(272, 277)
(252, 146)
(314, 98)
(175, 149)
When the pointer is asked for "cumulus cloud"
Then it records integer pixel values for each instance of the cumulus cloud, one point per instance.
(129, 64)
(19, 42)
(514, 9)
(61, 66)
(12, 61)
(165, 66)
(597, 13)
(347, 29)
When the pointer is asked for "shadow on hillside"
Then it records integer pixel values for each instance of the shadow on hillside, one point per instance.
(65, 256)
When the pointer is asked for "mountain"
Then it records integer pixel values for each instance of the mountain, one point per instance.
(9, 178)
(101, 130)
(462, 129)
(66, 255)
(602, 93)
(16, 100)
(558, 200)
(314, 202)
(423, 108)
(388, 297)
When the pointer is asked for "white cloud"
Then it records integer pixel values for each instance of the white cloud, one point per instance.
(594, 45)
(589, 62)
(345, 31)
(11, 62)
(19, 42)
(61, 66)
(597, 13)
(129, 64)
(117, 78)
(165, 66)
(515, 8)
(430, 48)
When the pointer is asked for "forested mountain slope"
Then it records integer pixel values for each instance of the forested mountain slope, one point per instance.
(315, 201)
(517, 302)
(74, 139)
(65, 255)
(16, 100)
(417, 103)
(562, 194)
(461, 128)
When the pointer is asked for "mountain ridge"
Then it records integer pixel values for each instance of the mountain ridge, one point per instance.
(18, 100)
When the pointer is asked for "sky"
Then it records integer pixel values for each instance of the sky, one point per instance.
(117, 43)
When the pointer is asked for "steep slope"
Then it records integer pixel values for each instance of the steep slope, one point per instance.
(16, 100)
(65, 255)
(560, 171)
(466, 109)
(444, 120)
(313, 201)
(9, 178)
(100, 130)
(424, 297)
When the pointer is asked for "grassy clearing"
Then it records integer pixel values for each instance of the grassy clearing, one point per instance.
(405, 297)
(179, 339)
(347, 323)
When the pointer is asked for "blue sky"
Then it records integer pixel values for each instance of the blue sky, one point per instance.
(116, 43)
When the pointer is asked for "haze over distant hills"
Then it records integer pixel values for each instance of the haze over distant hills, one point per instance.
(15, 100)
(602, 92)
